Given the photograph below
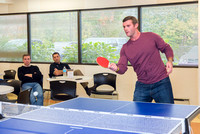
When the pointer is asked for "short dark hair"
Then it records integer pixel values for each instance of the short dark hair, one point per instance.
(134, 20)
(55, 53)
(25, 55)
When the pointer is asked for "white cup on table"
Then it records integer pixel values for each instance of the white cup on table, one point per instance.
(70, 73)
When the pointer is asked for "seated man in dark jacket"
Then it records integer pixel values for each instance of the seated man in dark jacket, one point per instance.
(31, 77)
(56, 69)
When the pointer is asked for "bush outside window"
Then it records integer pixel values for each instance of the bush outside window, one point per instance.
(101, 33)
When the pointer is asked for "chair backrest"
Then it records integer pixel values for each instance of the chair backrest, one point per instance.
(24, 97)
(62, 87)
(16, 84)
(105, 78)
(9, 74)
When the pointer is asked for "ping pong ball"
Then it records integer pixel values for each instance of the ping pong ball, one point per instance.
(35, 93)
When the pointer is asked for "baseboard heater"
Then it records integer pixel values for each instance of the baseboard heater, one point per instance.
(180, 99)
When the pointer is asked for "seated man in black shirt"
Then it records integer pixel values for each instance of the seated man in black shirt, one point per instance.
(31, 77)
(56, 69)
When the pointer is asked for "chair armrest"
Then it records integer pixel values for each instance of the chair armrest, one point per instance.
(93, 88)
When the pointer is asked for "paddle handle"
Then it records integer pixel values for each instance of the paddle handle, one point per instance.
(109, 65)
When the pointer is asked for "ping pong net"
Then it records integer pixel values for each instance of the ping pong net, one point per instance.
(89, 119)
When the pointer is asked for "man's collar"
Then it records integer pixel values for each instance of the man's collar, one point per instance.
(57, 63)
(28, 65)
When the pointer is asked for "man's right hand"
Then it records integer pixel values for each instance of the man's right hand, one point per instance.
(29, 75)
(113, 67)
(57, 72)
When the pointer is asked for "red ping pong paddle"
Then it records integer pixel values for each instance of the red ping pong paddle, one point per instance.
(103, 62)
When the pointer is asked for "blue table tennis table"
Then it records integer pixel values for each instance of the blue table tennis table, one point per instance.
(128, 117)
(186, 112)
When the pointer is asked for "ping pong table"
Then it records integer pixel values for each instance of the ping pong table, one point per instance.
(89, 116)
(186, 112)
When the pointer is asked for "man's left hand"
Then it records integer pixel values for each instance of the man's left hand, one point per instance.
(169, 67)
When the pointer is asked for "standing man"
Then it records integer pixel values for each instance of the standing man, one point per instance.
(143, 52)
(56, 69)
(31, 77)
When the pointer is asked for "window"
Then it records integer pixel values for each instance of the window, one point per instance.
(54, 32)
(13, 37)
(103, 34)
(178, 26)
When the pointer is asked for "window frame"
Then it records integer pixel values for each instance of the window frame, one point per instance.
(139, 7)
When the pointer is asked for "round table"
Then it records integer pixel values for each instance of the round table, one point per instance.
(77, 79)
(6, 89)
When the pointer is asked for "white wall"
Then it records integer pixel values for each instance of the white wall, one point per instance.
(53, 5)
(3, 8)
(184, 80)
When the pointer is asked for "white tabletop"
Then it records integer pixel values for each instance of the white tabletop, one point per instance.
(78, 79)
(6, 89)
